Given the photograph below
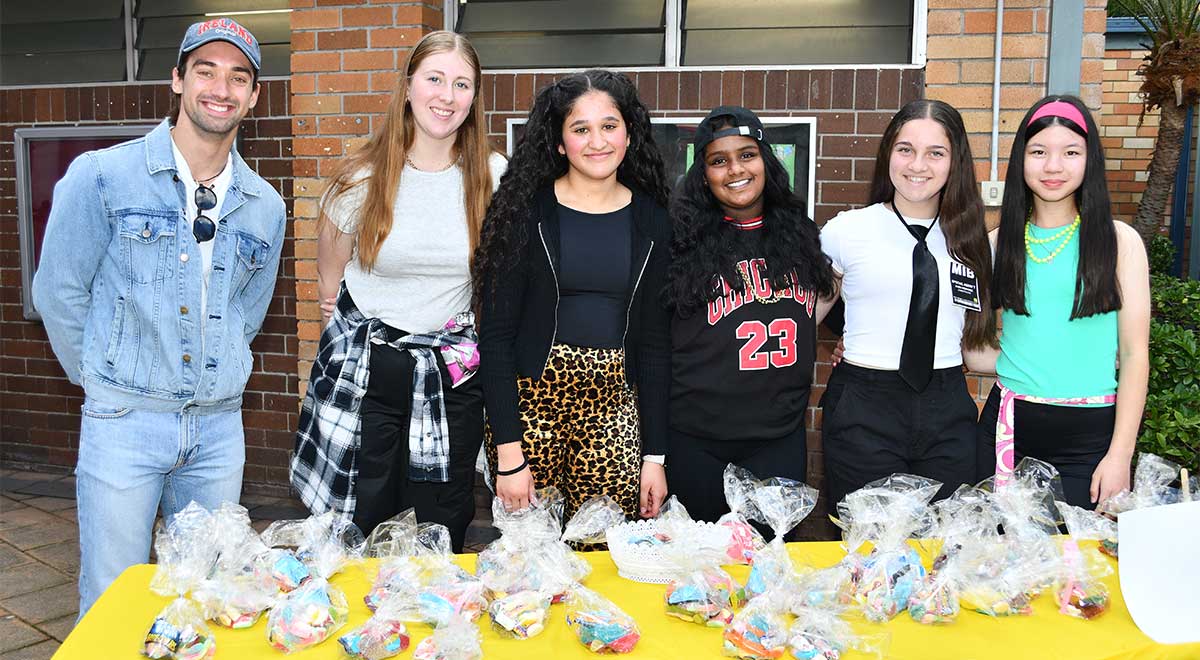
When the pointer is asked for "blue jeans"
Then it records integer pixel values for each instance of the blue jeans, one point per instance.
(134, 462)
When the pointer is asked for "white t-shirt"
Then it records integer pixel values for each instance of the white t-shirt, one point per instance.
(873, 253)
(422, 273)
(220, 186)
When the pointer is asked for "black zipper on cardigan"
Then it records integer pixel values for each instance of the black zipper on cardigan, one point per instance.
(557, 297)
(629, 309)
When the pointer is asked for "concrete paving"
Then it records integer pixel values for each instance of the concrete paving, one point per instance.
(39, 556)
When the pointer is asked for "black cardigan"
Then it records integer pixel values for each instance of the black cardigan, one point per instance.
(518, 321)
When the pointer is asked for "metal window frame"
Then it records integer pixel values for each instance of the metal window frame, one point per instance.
(673, 46)
(21, 139)
(809, 121)
(131, 61)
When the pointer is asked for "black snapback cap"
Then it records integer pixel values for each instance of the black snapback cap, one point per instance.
(744, 122)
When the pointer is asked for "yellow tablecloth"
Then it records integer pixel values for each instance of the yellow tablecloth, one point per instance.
(115, 627)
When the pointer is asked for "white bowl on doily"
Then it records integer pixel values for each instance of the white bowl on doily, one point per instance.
(637, 550)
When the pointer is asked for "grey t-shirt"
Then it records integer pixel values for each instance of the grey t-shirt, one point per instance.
(421, 275)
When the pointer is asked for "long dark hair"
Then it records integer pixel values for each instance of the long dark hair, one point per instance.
(703, 246)
(1096, 288)
(536, 163)
(960, 210)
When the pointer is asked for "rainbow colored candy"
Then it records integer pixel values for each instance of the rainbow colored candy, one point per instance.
(307, 617)
(754, 637)
(521, 615)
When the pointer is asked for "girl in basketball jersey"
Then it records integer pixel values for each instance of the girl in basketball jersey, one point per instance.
(744, 285)
(1073, 285)
(915, 269)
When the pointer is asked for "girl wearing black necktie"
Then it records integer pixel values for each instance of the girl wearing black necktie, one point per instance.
(915, 270)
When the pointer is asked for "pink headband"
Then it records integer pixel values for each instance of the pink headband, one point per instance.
(1060, 109)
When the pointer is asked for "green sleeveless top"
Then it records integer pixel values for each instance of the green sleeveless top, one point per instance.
(1048, 354)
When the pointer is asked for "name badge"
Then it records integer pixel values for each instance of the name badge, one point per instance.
(964, 286)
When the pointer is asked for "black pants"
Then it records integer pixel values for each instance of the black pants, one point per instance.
(383, 487)
(1073, 439)
(873, 425)
(695, 467)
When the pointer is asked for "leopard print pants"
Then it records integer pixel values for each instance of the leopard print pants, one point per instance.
(581, 428)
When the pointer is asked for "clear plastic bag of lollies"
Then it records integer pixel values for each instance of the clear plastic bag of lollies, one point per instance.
(818, 634)
(886, 513)
(1079, 589)
(185, 557)
(758, 632)
(520, 615)
(316, 610)
(598, 623)
(700, 590)
(779, 504)
(456, 639)
(383, 635)
(744, 540)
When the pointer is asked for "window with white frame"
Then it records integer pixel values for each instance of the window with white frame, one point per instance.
(95, 41)
(563, 34)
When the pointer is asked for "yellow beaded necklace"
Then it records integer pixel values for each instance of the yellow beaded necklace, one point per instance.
(1030, 241)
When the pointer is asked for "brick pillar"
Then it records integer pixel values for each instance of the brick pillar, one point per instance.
(345, 60)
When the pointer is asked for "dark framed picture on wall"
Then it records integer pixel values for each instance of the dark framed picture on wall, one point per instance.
(793, 139)
(42, 158)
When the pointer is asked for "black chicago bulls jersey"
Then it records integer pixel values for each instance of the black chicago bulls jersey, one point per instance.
(742, 366)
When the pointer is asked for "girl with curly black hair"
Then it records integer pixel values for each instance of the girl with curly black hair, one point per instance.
(574, 341)
(745, 279)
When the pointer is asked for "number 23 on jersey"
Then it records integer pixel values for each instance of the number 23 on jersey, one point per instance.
(751, 357)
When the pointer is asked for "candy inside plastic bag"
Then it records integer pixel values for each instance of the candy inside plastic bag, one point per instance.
(381, 636)
(598, 623)
(179, 633)
(521, 615)
(745, 541)
(313, 612)
(700, 590)
(780, 504)
(185, 551)
(818, 634)
(758, 632)
(887, 512)
(307, 616)
(456, 639)
(1078, 589)
(185, 557)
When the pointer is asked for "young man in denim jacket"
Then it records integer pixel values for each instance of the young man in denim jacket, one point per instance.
(158, 265)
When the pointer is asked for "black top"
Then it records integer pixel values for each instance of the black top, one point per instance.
(742, 366)
(594, 283)
(517, 320)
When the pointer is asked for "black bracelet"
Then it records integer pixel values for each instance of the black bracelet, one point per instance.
(507, 473)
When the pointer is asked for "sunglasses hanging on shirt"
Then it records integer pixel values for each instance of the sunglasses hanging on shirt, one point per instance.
(203, 228)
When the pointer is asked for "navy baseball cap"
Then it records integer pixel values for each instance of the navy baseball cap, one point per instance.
(744, 122)
(221, 29)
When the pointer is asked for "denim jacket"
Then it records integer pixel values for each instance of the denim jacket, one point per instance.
(119, 278)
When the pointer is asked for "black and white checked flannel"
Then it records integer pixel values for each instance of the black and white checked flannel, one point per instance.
(325, 463)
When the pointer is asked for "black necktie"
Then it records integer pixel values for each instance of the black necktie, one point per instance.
(920, 333)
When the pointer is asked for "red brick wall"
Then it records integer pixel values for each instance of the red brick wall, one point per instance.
(39, 408)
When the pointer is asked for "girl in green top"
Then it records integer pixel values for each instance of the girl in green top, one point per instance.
(1073, 287)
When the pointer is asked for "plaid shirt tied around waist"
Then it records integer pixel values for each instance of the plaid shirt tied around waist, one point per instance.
(325, 463)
